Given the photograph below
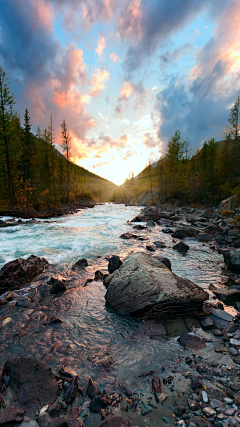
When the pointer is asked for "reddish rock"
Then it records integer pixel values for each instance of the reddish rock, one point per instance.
(11, 415)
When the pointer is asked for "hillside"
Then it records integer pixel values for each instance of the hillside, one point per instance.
(206, 177)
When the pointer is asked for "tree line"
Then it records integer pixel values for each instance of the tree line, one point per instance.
(33, 173)
(208, 175)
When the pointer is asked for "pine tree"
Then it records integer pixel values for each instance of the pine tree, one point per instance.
(6, 116)
(234, 119)
(66, 145)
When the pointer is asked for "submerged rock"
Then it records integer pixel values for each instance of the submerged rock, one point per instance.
(32, 383)
(144, 283)
(92, 389)
(181, 247)
(18, 273)
(181, 233)
(80, 264)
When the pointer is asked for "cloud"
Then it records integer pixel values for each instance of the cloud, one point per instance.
(146, 24)
(99, 78)
(151, 141)
(101, 45)
(114, 57)
(125, 92)
(198, 103)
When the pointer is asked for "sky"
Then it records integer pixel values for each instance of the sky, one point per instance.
(125, 74)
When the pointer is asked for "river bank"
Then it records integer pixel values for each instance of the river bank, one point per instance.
(76, 330)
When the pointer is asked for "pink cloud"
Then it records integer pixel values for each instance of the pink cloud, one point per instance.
(99, 78)
(100, 46)
(125, 92)
(114, 57)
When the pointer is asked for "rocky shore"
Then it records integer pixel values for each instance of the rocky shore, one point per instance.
(48, 382)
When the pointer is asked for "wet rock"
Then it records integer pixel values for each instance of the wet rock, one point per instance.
(181, 233)
(114, 263)
(228, 295)
(204, 237)
(151, 248)
(94, 419)
(20, 272)
(193, 405)
(234, 386)
(181, 247)
(80, 264)
(195, 383)
(54, 410)
(217, 332)
(192, 342)
(71, 391)
(156, 384)
(207, 323)
(179, 410)
(99, 276)
(11, 415)
(145, 374)
(115, 422)
(167, 230)
(230, 411)
(45, 420)
(188, 360)
(98, 403)
(231, 258)
(209, 412)
(204, 396)
(143, 283)
(125, 389)
(128, 236)
(140, 227)
(32, 383)
(150, 223)
(67, 373)
(147, 214)
(165, 261)
(233, 351)
(159, 244)
(58, 285)
(221, 314)
(234, 342)
(92, 389)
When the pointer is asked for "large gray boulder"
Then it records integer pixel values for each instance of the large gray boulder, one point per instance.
(150, 213)
(144, 284)
(228, 204)
(231, 258)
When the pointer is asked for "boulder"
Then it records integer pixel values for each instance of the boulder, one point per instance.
(80, 264)
(32, 383)
(181, 233)
(231, 258)
(181, 247)
(18, 273)
(150, 213)
(128, 236)
(11, 415)
(144, 283)
(228, 204)
(114, 263)
(58, 285)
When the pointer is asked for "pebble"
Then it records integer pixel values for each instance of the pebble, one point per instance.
(204, 396)
(209, 412)
(230, 411)
(228, 401)
(165, 419)
(235, 342)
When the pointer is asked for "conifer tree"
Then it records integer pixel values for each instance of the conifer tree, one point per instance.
(66, 145)
(6, 115)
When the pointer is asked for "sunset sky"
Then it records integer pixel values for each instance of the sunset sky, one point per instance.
(125, 74)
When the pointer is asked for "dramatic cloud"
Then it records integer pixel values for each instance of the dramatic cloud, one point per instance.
(198, 105)
(99, 78)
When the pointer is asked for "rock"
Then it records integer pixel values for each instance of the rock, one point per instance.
(125, 389)
(228, 204)
(221, 314)
(209, 412)
(11, 415)
(58, 285)
(193, 405)
(150, 223)
(181, 233)
(80, 264)
(32, 383)
(179, 410)
(20, 272)
(98, 402)
(204, 237)
(128, 236)
(204, 396)
(140, 227)
(234, 342)
(92, 389)
(231, 258)
(181, 247)
(71, 391)
(45, 420)
(115, 422)
(144, 283)
(114, 263)
(188, 360)
(165, 261)
(192, 342)
(217, 332)
(195, 383)
(147, 214)
(228, 295)
(99, 276)
(54, 410)
(156, 384)
(230, 411)
(207, 323)
(151, 248)
(167, 230)
(159, 244)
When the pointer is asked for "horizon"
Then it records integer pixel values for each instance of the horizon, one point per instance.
(125, 75)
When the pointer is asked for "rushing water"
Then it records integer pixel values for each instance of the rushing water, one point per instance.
(91, 332)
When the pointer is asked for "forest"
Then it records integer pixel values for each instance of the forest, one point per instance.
(33, 173)
(206, 176)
